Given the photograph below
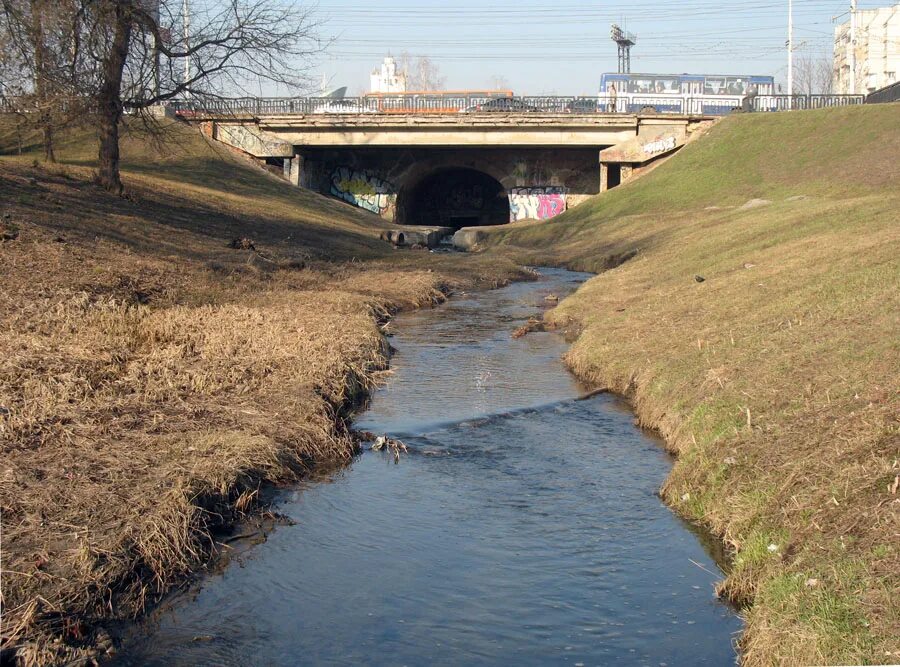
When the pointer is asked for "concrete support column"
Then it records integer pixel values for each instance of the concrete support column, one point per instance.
(603, 177)
(295, 174)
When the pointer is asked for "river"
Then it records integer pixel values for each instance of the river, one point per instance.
(523, 527)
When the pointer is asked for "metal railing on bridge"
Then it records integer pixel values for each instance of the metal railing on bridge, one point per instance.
(707, 105)
(390, 104)
(719, 105)
(694, 105)
(444, 103)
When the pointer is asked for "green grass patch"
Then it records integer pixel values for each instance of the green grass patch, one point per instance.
(795, 321)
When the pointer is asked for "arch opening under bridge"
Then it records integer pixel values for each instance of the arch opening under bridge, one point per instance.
(454, 197)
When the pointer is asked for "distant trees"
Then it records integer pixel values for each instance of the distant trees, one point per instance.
(101, 58)
(813, 75)
(36, 39)
(499, 82)
(421, 73)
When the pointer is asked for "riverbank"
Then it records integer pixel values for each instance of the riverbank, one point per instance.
(749, 307)
(164, 355)
(548, 552)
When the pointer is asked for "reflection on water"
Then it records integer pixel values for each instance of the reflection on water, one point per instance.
(522, 528)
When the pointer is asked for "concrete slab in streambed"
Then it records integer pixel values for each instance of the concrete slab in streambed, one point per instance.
(430, 237)
(468, 237)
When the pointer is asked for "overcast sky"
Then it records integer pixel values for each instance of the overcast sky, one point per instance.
(541, 47)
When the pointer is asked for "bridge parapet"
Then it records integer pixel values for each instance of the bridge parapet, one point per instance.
(473, 130)
(422, 105)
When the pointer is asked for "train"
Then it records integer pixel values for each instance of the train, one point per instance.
(710, 94)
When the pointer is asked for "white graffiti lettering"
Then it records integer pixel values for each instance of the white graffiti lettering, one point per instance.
(660, 145)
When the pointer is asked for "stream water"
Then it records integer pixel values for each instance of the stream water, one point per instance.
(522, 528)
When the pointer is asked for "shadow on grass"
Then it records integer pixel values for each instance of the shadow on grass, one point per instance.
(161, 222)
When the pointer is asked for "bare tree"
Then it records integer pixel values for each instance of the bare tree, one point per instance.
(132, 55)
(421, 73)
(499, 82)
(825, 76)
(813, 75)
(155, 54)
(35, 75)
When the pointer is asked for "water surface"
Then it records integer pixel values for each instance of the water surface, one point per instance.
(523, 527)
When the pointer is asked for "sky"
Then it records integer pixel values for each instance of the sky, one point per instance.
(542, 47)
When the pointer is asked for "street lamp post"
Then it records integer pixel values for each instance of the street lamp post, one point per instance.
(852, 57)
(790, 47)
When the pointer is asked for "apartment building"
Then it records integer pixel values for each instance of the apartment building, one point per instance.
(877, 51)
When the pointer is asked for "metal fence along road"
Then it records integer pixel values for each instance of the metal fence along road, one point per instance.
(887, 94)
(799, 102)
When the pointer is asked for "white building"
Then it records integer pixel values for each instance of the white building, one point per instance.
(388, 79)
(877, 51)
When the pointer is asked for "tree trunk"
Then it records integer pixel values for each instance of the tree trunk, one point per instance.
(49, 155)
(41, 83)
(110, 101)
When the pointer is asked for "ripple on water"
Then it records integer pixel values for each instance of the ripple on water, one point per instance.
(523, 527)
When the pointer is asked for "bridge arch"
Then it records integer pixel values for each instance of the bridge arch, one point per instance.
(452, 196)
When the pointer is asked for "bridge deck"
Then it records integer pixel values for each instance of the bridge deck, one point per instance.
(461, 129)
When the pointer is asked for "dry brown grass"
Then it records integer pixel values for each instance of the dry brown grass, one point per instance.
(151, 378)
(776, 378)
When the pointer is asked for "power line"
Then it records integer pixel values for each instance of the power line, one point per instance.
(493, 31)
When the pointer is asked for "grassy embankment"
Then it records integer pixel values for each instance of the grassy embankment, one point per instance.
(151, 377)
(775, 379)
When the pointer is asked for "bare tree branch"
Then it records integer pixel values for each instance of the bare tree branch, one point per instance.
(106, 57)
(813, 75)
(421, 73)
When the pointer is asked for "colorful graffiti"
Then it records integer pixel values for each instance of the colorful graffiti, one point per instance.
(537, 203)
(364, 189)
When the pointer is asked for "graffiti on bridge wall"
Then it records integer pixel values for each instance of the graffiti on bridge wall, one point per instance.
(660, 145)
(364, 189)
(537, 203)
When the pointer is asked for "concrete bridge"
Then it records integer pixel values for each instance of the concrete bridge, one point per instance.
(456, 169)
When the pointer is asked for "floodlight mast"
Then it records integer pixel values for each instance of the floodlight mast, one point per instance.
(625, 40)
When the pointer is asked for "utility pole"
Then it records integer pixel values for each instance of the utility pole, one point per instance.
(852, 57)
(790, 48)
